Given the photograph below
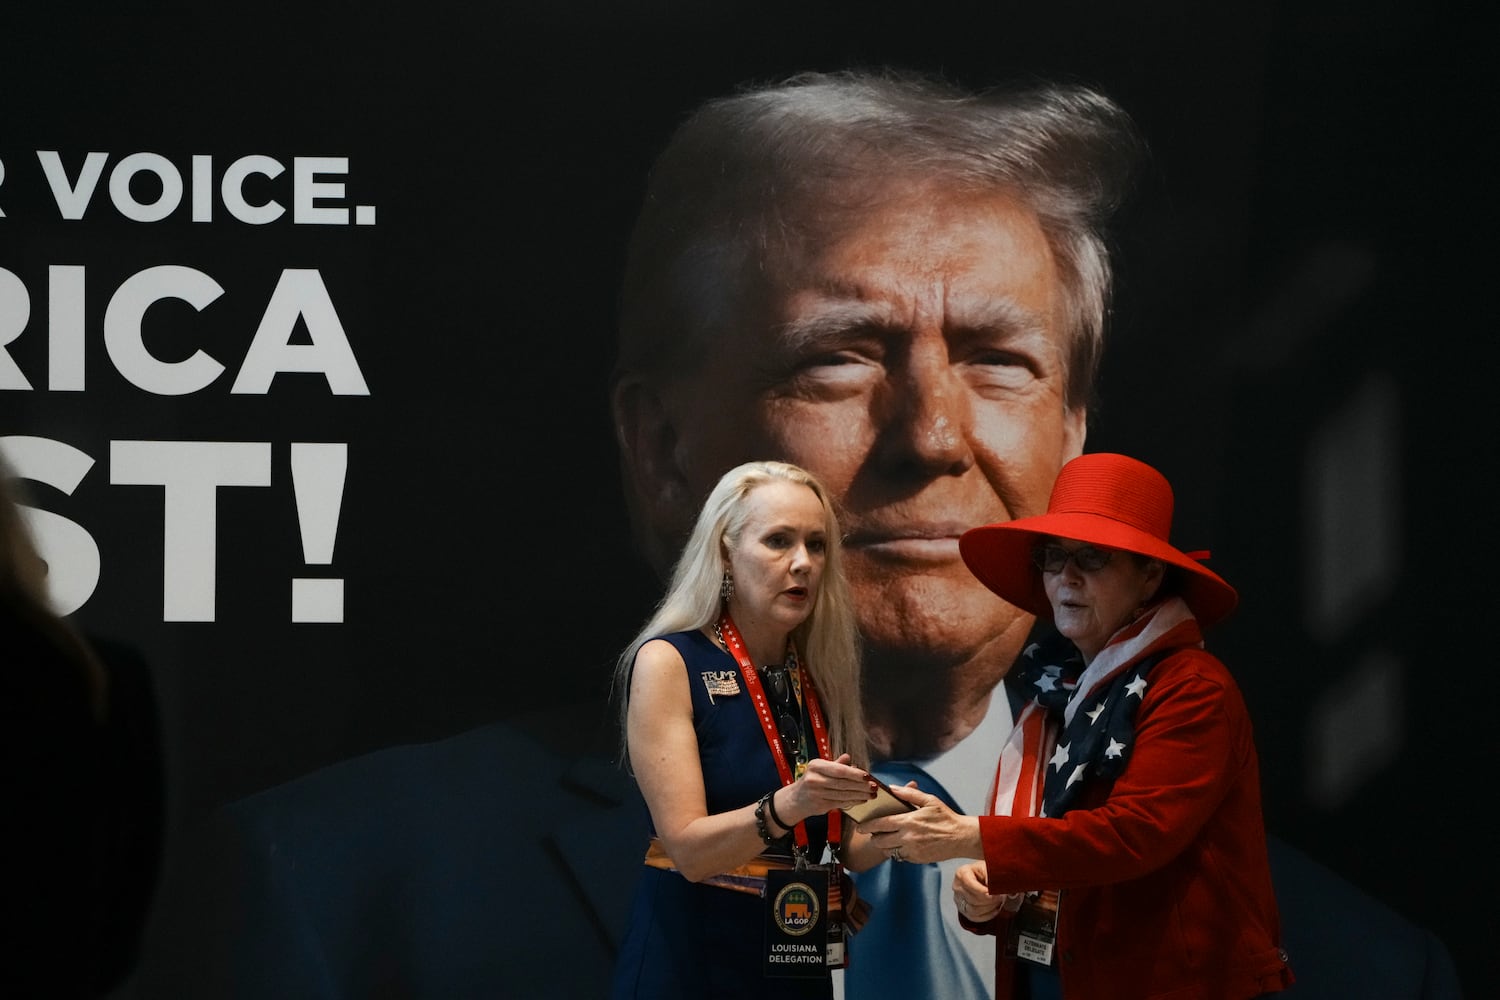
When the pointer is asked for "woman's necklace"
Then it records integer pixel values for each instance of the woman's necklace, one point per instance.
(789, 659)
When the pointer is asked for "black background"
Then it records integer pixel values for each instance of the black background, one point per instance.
(1309, 220)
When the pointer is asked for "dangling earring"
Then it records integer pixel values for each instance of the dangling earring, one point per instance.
(726, 589)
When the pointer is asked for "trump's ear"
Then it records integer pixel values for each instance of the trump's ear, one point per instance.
(656, 492)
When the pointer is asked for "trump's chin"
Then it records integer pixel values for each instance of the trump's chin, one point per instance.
(924, 626)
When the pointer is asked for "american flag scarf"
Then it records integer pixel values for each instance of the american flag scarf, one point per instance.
(1074, 723)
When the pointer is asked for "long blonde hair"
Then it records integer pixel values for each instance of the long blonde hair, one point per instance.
(828, 640)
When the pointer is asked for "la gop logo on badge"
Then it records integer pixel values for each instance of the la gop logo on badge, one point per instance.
(796, 908)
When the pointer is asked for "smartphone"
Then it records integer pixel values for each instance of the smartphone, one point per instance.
(885, 803)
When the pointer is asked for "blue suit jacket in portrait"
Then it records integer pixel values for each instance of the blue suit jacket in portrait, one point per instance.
(487, 866)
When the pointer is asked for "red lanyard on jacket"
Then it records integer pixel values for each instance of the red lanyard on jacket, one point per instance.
(768, 722)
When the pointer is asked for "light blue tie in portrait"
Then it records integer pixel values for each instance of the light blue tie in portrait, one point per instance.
(906, 950)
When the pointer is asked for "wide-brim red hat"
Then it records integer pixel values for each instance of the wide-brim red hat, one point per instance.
(1102, 499)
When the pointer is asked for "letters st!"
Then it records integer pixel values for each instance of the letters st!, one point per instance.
(63, 194)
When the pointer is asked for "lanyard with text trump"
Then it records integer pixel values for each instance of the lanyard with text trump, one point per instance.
(768, 723)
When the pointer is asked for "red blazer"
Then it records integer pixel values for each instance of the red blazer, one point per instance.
(1165, 885)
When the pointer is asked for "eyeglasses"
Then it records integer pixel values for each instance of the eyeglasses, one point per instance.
(1052, 558)
(777, 682)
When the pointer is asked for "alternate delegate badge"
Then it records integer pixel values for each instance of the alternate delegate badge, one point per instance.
(1033, 932)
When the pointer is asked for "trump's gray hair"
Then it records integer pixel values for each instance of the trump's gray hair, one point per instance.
(749, 176)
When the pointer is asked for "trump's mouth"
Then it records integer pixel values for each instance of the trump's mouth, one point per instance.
(927, 542)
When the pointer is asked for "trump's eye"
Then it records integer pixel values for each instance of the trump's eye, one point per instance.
(832, 374)
(863, 352)
(992, 356)
(1001, 370)
(831, 360)
(841, 365)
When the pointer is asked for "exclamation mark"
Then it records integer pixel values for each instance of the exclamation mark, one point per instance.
(318, 482)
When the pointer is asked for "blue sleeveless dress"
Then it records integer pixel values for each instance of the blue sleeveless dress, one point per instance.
(693, 941)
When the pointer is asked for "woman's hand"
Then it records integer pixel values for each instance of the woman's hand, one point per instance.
(932, 832)
(972, 894)
(826, 785)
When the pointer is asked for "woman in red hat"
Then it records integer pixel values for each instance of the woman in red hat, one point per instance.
(1142, 870)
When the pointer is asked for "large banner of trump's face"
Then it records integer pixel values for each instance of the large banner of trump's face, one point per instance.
(318, 395)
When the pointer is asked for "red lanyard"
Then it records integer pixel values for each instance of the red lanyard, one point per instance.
(768, 723)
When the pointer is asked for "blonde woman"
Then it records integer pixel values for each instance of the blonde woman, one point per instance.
(742, 725)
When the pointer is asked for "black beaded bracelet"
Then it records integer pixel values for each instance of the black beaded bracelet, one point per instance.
(771, 804)
(760, 820)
